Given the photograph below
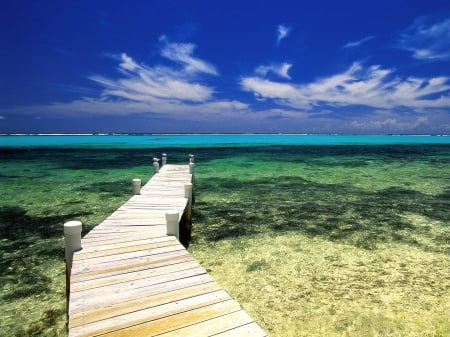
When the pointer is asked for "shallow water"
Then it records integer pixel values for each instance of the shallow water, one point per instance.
(363, 197)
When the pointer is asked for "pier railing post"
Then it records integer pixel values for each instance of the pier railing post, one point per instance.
(172, 223)
(155, 165)
(136, 184)
(191, 158)
(163, 159)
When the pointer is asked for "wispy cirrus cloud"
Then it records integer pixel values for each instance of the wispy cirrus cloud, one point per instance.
(182, 53)
(151, 84)
(355, 44)
(280, 69)
(282, 32)
(427, 41)
(159, 87)
(372, 86)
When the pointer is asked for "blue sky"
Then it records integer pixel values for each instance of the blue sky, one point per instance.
(225, 66)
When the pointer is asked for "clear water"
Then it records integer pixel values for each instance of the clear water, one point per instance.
(209, 140)
(384, 199)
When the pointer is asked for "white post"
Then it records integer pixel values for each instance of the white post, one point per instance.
(155, 165)
(164, 159)
(191, 158)
(136, 183)
(72, 239)
(192, 168)
(172, 223)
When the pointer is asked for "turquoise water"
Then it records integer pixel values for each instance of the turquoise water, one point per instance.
(208, 140)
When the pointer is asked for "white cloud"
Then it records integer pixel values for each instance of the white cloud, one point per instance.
(372, 86)
(282, 32)
(156, 90)
(109, 107)
(281, 69)
(182, 53)
(172, 91)
(159, 85)
(427, 42)
(390, 123)
(150, 84)
(355, 44)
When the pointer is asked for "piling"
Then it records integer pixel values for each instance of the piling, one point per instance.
(72, 240)
(136, 185)
(172, 223)
(155, 165)
(72, 243)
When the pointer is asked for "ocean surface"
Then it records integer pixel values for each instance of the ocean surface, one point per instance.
(270, 208)
(207, 140)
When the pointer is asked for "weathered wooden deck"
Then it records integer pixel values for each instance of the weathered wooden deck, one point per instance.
(131, 279)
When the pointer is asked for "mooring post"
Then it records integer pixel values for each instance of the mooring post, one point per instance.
(136, 184)
(172, 223)
(72, 240)
(155, 165)
(164, 159)
(72, 243)
(192, 171)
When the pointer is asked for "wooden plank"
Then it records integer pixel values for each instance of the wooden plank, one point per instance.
(131, 275)
(174, 322)
(127, 241)
(213, 326)
(79, 303)
(142, 303)
(162, 261)
(136, 316)
(109, 250)
(105, 236)
(111, 290)
(158, 249)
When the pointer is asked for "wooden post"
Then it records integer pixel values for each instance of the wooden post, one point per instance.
(188, 191)
(164, 159)
(136, 184)
(72, 239)
(172, 223)
(155, 165)
(192, 171)
(72, 243)
(188, 194)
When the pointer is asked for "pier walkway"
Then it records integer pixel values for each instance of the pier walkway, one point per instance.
(132, 279)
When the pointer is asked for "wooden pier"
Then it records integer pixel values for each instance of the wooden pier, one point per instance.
(132, 279)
